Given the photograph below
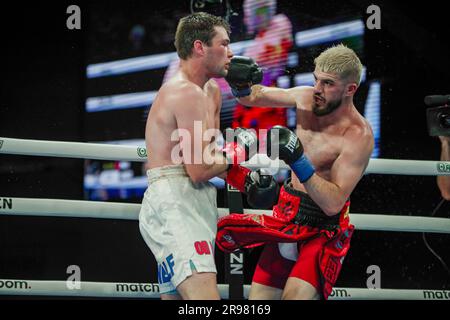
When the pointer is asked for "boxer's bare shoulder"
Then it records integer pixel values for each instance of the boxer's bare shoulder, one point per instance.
(178, 94)
(179, 89)
(303, 96)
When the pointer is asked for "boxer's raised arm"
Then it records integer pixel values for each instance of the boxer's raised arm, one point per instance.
(199, 154)
(262, 96)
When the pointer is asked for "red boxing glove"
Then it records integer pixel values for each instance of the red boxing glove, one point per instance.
(236, 177)
(240, 145)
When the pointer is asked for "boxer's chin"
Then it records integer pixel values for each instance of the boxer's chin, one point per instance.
(319, 108)
(222, 73)
(322, 109)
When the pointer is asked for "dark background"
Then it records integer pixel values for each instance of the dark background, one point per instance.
(42, 97)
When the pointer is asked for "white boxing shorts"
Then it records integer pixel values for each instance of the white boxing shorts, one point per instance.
(178, 221)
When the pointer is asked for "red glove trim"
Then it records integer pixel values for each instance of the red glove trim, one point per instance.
(236, 177)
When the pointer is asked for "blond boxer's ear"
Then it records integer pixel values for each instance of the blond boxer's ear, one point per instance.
(351, 89)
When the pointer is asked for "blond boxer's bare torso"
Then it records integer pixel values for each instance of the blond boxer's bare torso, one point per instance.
(324, 140)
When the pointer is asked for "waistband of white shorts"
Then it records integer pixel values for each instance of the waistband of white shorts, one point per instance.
(177, 170)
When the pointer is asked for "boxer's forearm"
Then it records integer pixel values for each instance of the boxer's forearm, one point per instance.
(262, 96)
(252, 99)
(211, 167)
(444, 181)
(216, 170)
(445, 150)
(327, 195)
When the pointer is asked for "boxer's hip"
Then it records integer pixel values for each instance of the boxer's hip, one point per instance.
(297, 207)
(178, 221)
(166, 172)
(170, 190)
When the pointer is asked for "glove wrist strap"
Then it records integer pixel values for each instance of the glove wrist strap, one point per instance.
(303, 168)
(236, 177)
(239, 93)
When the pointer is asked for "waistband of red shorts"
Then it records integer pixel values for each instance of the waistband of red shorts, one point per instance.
(309, 213)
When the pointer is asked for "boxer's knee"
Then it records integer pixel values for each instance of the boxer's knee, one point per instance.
(199, 286)
(262, 292)
(170, 296)
(298, 289)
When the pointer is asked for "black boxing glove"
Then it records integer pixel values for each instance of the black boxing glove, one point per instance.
(261, 189)
(240, 145)
(243, 73)
(290, 150)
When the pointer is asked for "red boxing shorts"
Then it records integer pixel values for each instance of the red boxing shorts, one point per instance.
(322, 241)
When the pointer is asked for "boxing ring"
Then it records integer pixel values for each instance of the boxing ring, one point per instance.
(127, 211)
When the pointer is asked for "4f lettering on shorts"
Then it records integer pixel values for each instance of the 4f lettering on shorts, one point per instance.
(165, 270)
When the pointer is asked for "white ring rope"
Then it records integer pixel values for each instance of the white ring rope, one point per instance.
(129, 211)
(65, 149)
(99, 151)
(126, 211)
(151, 291)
